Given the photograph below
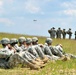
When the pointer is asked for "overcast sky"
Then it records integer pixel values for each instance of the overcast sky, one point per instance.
(17, 16)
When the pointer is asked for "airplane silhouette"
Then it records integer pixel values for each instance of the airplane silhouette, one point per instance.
(34, 20)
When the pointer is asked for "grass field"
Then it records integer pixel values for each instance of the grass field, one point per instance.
(56, 68)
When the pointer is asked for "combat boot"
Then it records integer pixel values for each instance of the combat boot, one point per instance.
(64, 58)
(38, 63)
(39, 60)
(35, 62)
(45, 59)
(33, 66)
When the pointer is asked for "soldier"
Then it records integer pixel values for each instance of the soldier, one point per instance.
(69, 32)
(24, 54)
(53, 32)
(9, 58)
(23, 43)
(38, 49)
(14, 44)
(56, 54)
(75, 35)
(32, 50)
(58, 51)
(5, 53)
(58, 33)
(64, 33)
(49, 31)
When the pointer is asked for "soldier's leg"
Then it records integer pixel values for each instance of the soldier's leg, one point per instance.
(3, 64)
(69, 37)
(17, 58)
(31, 56)
(33, 60)
(71, 55)
(75, 37)
(40, 52)
(30, 63)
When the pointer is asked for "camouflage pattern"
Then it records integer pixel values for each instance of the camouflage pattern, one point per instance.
(17, 59)
(57, 51)
(5, 41)
(49, 31)
(14, 44)
(30, 48)
(53, 32)
(37, 47)
(64, 33)
(5, 54)
(21, 39)
(39, 51)
(27, 54)
(32, 51)
(58, 33)
(75, 35)
(69, 32)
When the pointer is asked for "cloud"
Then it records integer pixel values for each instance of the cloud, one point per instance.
(1, 3)
(31, 6)
(47, 0)
(69, 8)
(69, 5)
(61, 22)
(35, 6)
(6, 21)
(1, 6)
(70, 12)
(11, 1)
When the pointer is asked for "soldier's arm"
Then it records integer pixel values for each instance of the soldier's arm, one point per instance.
(47, 51)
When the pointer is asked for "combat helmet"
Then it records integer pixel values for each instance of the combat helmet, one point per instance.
(48, 40)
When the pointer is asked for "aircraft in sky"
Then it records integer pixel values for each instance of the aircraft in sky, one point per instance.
(34, 20)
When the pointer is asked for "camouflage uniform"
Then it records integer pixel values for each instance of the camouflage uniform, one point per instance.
(51, 49)
(53, 32)
(5, 53)
(24, 54)
(37, 47)
(58, 33)
(62, 53)
(69, 33)
(14, 44)
(58, 51)
(49, 31)
(75, 35)
(32, 50)
(22, 42)
(64, 33)
(23, 57)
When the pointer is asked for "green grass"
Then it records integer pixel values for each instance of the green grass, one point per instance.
(57, 68)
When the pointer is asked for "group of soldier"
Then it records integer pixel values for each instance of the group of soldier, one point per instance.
(29, 53)
(58, 33)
